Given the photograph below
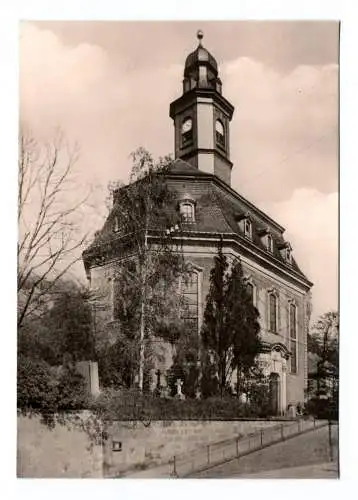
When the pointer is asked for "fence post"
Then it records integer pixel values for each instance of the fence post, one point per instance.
(298, 425)
(282, 436)
(261, 436)
(208, 453)
(330, 441)
(314, 422)
(174, 467)
(237, 447)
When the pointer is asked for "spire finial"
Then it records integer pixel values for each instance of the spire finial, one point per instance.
(200, 36)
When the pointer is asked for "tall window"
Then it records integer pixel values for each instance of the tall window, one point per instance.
(293, 337)
(273, 312)
(220, 133)
(187, 212)
(191, 302)
(269, 243)
(250, 291)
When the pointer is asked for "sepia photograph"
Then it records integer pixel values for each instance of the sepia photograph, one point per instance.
(178, 222)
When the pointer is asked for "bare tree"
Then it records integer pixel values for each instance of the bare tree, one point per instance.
(48, 219)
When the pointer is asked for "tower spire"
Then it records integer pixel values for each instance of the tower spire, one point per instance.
(202, 116)
(200, 36)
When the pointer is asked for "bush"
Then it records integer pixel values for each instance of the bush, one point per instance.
(36, 385)
(45, 390)
(320, 408)
(132, 405)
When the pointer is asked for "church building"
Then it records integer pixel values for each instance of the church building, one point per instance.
(212, 211)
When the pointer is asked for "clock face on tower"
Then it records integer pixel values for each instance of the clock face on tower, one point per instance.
(187, 125)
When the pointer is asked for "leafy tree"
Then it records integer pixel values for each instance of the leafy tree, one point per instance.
(323, 342)
(230, 329)
(65, 329)
(46, 390)
(69, 322)
(147, 298)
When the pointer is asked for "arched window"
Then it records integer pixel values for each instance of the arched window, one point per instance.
(286, 252)
(187, 132)
(288, 255)
(273, 306)
(248, 228)
(269, 243)
(293, 336)
(250, 291)
(190, 291)
(187, 211)
(220, 133)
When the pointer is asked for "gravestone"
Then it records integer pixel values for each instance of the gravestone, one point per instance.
(89, 371)
(179, 394)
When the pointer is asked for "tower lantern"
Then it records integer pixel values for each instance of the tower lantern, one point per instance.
(202, 116)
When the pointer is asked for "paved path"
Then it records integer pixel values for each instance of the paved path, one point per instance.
(316, 471)
(305, 456)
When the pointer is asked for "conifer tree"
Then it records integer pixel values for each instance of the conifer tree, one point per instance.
(242, 321)
(214, 338)
(230, 332)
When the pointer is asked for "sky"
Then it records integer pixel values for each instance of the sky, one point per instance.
(108, 85)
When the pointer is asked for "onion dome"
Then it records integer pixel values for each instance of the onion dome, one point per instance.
(201, 69)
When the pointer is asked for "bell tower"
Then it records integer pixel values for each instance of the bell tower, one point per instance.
(202, 116)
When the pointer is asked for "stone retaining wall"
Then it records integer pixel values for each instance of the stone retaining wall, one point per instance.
(65, 452)
(153, 443)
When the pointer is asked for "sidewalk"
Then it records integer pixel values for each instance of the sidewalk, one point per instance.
(328, 470)
(159, 472)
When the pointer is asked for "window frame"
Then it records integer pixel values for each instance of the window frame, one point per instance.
(186, 315)
(250, 283)
(187, 217)
(220, 138)
(293, 339)
(248, 234)
(273, 293)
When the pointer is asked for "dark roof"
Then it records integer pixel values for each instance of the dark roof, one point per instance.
(183, 167)
(200, 55)
(218, 209)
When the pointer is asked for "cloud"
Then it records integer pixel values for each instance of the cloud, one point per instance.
(284, 133)
(312, 221)
(284, 140)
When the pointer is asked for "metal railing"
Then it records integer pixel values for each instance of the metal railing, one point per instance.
(213, 454)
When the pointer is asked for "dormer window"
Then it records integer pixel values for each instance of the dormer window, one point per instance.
(248, 228)
(245, 225)
(220, 133)
(186, 132)
(266, 239)
(286, 253)
(187, 211)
